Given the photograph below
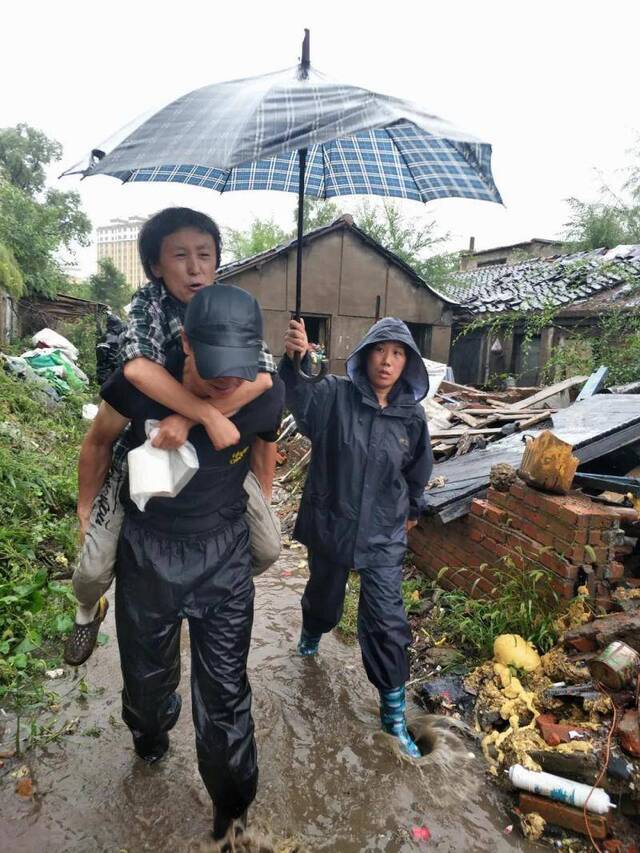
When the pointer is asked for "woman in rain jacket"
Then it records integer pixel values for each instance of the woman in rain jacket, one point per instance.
(371, 460)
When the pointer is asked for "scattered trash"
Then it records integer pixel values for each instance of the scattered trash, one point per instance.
(420, 833)
(513, 650)
(24, 787)
(617, 666)
(54, 673)
(49, 339)
(533, 826)
(89, 411)
(445, 694)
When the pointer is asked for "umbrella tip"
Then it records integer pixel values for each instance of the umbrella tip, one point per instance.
(305, 60)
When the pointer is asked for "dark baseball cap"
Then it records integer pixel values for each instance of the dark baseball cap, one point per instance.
(224, 326)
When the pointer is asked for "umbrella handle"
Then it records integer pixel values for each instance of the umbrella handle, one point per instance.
(314, 377)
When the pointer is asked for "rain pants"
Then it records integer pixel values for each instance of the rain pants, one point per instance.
(369, 467)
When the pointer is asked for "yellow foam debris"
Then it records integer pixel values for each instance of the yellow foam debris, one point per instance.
(533, 826)
(513, 650)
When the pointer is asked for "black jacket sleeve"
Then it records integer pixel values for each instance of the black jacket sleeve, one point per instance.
(311, 403)
(419, 469)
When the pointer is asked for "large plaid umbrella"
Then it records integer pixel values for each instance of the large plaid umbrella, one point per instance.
(298, 131)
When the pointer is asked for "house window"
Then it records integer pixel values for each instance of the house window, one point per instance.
(317, 328)
(421, 334)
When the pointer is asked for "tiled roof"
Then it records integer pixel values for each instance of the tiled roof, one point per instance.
(542, 282)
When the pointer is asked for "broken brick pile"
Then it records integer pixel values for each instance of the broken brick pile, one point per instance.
(575, 538)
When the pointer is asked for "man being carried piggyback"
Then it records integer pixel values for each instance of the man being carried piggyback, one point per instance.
(188, 557)
(180, 252)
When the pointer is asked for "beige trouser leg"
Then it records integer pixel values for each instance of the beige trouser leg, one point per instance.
(93, 573)
(265, 539)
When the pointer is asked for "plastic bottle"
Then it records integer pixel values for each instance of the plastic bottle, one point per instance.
(564, 790)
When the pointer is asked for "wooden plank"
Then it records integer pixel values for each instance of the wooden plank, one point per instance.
(547, 392)
(473, 411)
(453, 386)
(567, 817)
(466, 418)
(536, 419)
(594, 383)
(456, 431)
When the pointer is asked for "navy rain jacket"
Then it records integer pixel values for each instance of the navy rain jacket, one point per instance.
(369, 465)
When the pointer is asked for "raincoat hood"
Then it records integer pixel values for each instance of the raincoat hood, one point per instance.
(414, 374)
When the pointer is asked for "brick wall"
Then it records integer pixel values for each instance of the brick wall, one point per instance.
(573, 537)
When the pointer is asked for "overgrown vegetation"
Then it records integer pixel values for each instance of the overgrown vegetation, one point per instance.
(523, 602)
(612, 338)
(83, 335)
(38, 533)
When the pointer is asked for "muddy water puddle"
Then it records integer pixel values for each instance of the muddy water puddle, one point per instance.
(328, 778)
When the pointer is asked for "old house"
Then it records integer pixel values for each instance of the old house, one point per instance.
(512, 254)
(37, 312)
(344, 273)
(571, 291)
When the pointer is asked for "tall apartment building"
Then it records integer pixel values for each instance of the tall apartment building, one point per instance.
(119, 241)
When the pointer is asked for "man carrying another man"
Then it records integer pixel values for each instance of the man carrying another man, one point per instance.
(188, 556)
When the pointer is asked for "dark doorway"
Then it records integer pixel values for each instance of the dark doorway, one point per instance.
(421, 334)
(466, 357)
(317, 330)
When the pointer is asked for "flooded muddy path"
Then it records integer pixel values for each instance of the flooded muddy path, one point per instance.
(328, 778)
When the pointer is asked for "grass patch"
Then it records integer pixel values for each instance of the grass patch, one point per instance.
(38, 531)
(523, 602)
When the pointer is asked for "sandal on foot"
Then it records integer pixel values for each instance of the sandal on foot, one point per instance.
(82, 640)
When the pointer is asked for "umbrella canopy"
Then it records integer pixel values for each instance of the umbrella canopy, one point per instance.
(298, 131)
(245, 135)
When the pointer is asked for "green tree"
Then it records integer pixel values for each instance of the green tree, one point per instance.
(36, 224)
(612, 220)
(109, 286)
(316, 213)
(24, 155)
(262, 235)
(598, 225)
(412, 239)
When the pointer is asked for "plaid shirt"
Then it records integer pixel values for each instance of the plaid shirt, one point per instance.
(155, 323)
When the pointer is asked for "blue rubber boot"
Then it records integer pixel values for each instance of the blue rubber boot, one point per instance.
(393, 718)
(308, 644)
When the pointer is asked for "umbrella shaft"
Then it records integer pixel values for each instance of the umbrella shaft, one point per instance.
(302, 162)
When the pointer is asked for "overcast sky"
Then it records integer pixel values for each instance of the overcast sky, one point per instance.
(552, 85)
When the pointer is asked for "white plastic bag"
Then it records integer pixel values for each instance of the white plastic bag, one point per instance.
(50, 338)
(157, 473)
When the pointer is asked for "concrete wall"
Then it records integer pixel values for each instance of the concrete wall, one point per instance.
(341, 278)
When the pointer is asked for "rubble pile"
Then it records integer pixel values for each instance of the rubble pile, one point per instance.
(547, 714)
(462, 419)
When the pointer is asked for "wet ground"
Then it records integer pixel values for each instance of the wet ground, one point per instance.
(329, 779)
